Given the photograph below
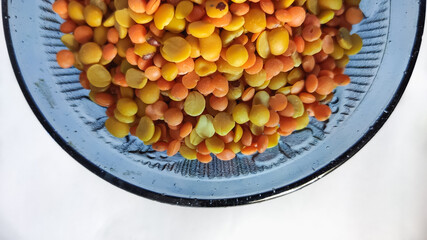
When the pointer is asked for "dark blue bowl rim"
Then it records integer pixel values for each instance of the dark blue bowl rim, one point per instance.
(229, 201)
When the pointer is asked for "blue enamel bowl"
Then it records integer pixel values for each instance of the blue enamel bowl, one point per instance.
(391, 34)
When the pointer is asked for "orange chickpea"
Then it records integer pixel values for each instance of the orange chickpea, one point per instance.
(65, 58)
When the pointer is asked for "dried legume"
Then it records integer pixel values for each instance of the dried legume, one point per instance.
(203, 77)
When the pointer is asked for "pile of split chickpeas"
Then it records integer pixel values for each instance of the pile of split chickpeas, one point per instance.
(209, 77)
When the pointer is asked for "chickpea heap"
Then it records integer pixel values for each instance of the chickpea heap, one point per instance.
(203, 77)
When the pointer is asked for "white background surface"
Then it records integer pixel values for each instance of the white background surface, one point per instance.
(381, 193)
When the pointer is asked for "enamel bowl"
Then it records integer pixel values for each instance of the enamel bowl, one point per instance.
(391, 33)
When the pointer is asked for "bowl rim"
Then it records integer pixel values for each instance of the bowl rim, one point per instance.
(192, 202)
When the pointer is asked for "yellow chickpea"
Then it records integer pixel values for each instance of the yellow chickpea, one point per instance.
(278, 41)
(257, 79)
(122, 118)
(255, 20)
(259, 115)
(188, 153)
(238, 133)
(127, 106)
(195, 46)
(200, 29)
(90, 53)
(215, 144)
(142, 49)
(176, 49)
(357, 45)
(117, 128)
(204, 68)
(236, 23)
(76, 11)
(145, 130)
(223, 123)
(140, 18)
(216, 8)
(205, 126)
(263, 46)
(210, 47)
(93, 15)
(278, 81)
(176, 25)
(169, 71)
(183, 9)
(194, 104)
(237, 55)
(164, 15)
(330, 4)
(241, 113)
(150, 93)
(156, 136)
(123, 18)
(98, 76)
(135, 78)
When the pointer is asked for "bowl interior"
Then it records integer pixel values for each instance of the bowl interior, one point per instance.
(379, 74)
